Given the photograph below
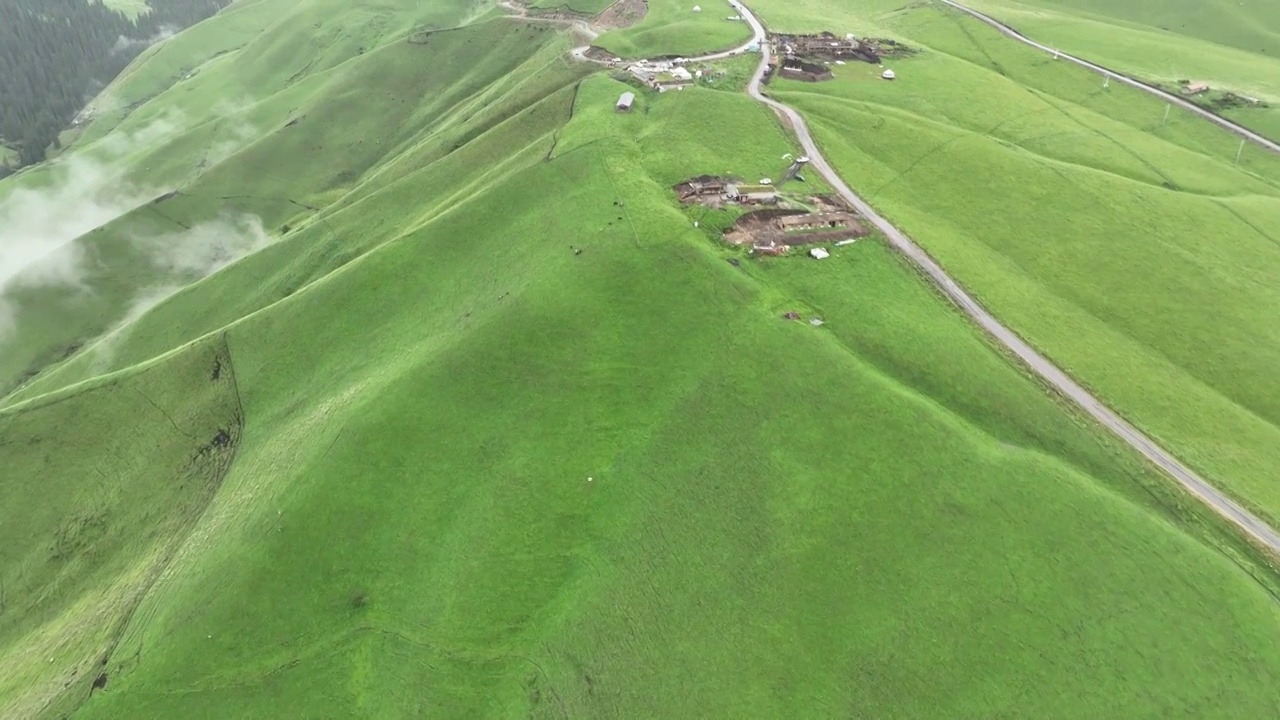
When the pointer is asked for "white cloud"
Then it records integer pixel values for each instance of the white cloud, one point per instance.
(39, 227)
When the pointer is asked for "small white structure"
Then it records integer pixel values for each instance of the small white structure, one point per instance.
(697, 8)
(888, 75)
(625, 102)
(819, 254)
(681, 74)
(697, 73)
(850, 241)
(766, 181)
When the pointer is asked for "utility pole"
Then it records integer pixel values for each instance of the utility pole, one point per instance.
(1239, 152)
(1106, 83)
(1167, 108)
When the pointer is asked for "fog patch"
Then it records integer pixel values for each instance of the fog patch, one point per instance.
(124, 44)
(208, 247)
(103, 351)
(181, 259)
(39, 228)
(233, 134)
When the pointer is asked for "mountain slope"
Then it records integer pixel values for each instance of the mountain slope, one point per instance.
(481, 474)
(1233, 46)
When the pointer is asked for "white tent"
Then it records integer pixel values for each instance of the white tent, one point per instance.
(888, 75)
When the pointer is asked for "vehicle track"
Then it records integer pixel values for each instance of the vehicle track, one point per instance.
(1232, 511)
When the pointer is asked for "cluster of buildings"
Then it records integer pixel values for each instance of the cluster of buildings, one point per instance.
(715, 191)
(809, 57)
(825, 46)
(664, 75)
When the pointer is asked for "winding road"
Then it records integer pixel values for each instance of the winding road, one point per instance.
(1232, 511)
(1040, 365)
(1183, 103)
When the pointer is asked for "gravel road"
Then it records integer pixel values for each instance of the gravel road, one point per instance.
(1040, 365)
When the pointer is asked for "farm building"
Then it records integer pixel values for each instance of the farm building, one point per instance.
(758, 198)
(1195, 88)
(814, 221)
(662, 75)
(702, 186)
(626, 101)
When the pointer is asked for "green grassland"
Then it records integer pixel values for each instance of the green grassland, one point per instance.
(1135, 253)
(1231, 45)
(1253, 26)
(95, 513)
(132, 8)
(672, 28)
(478, 474)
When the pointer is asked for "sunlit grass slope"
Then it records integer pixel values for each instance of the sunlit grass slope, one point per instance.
(671, 27)
(133, 8)
(1250, 26)
(1135, 252)
(483, 475)
(1232, 45)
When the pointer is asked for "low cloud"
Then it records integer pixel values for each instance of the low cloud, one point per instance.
(178, 260)
(124, 44)
(207, 247)
(39, 227)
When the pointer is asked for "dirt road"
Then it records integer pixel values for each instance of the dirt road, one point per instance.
(1170, 97)
(1050, 373)
(582, 26)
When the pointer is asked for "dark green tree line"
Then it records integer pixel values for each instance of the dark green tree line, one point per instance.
(54, 54)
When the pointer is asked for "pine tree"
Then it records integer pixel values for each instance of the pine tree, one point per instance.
(53, 53)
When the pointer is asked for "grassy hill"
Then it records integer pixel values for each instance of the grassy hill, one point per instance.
(129, 7)
(671, 27)
(1253, 27)
(1232, 45)
(418, 457)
